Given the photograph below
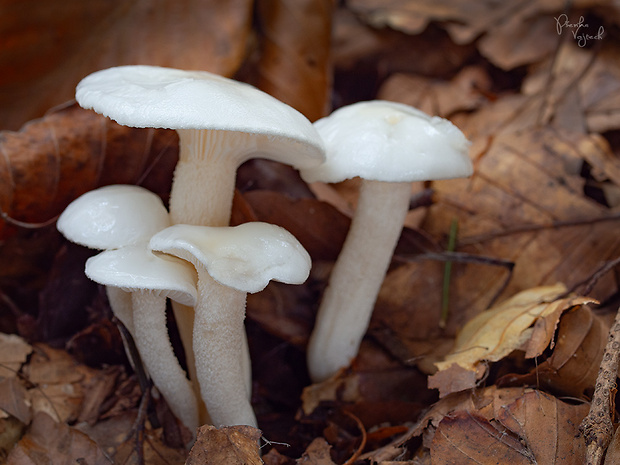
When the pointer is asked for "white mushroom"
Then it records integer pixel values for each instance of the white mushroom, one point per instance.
(231, 261)
(388, 145)
(121, 219)
(221, 123)
(150, 279)
(111, 217)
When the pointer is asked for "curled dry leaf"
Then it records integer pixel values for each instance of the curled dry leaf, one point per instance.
(233, 445)
(572, 367)
(527, 321)
(294, 64)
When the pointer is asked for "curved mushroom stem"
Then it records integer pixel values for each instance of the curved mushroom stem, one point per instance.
(357, 276)
(120, 303)
(218, 344)
(153, 343)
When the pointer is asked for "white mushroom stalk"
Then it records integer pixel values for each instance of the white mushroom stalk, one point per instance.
(231, 261)
(388, 145)
(121, 219)
(150, 280)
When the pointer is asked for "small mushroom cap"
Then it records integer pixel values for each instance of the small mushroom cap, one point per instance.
(244, 257)
(388, 141)
(135, 269)
(156, 97)
(113, 216)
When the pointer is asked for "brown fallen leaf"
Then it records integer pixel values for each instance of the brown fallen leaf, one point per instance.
(294, 64)
(317, 453)
(229, 444)
(497, 332)
(14, 351)
(47, 48)
(48, 442)
(534, 428)
(573, 365)
(53, 160)
(14, 400)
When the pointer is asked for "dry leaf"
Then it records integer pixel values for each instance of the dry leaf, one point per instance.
(48, 442)
(494, 334)
(294, 64)
(572, 367)
(13, 400)
(53, 160)
(317, 453)
(14, 351)
(46, 48)
(234, 445)
(535, 428)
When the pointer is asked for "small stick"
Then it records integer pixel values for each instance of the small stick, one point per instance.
(447, 271)
(597, 427)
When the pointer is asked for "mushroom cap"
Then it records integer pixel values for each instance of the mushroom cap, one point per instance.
(388, 141)
(113, 216)
(244, 257)
(157, 97)
(135, 269)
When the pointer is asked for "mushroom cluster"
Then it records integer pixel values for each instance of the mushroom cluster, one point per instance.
(221, 123)
(192, 256)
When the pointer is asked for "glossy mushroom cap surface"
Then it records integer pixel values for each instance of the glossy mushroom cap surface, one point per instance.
(387, 141)
(157, 97)
(135, 269)
(113, 216)
(244, 257)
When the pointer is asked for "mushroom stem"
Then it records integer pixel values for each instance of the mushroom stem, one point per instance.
(204, 178)
(153, 343)
(356, 278)
(218, 346)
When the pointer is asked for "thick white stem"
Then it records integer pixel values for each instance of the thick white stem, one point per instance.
(218, 348)
(204, 178)
(357, 276)
(153, 343)
(120, 303)
(202, 194)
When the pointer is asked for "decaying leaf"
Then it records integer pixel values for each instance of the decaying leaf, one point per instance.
(572, 367)
(47, 48)
(14, 400)
(317, 453)
(14, 350)
(294, 63)
(50, 442)
(534, 428)
(512, 325)
(53, 160)
(234, 445)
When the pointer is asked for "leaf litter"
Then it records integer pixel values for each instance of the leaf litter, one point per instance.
(508, 381)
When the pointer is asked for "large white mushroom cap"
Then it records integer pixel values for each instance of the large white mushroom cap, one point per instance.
(113, 216)
(157, 97)
(387, 141)
(244, 257)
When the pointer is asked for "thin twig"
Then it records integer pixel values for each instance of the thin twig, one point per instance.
(362, 445)
(597, 427)
(447, 272)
